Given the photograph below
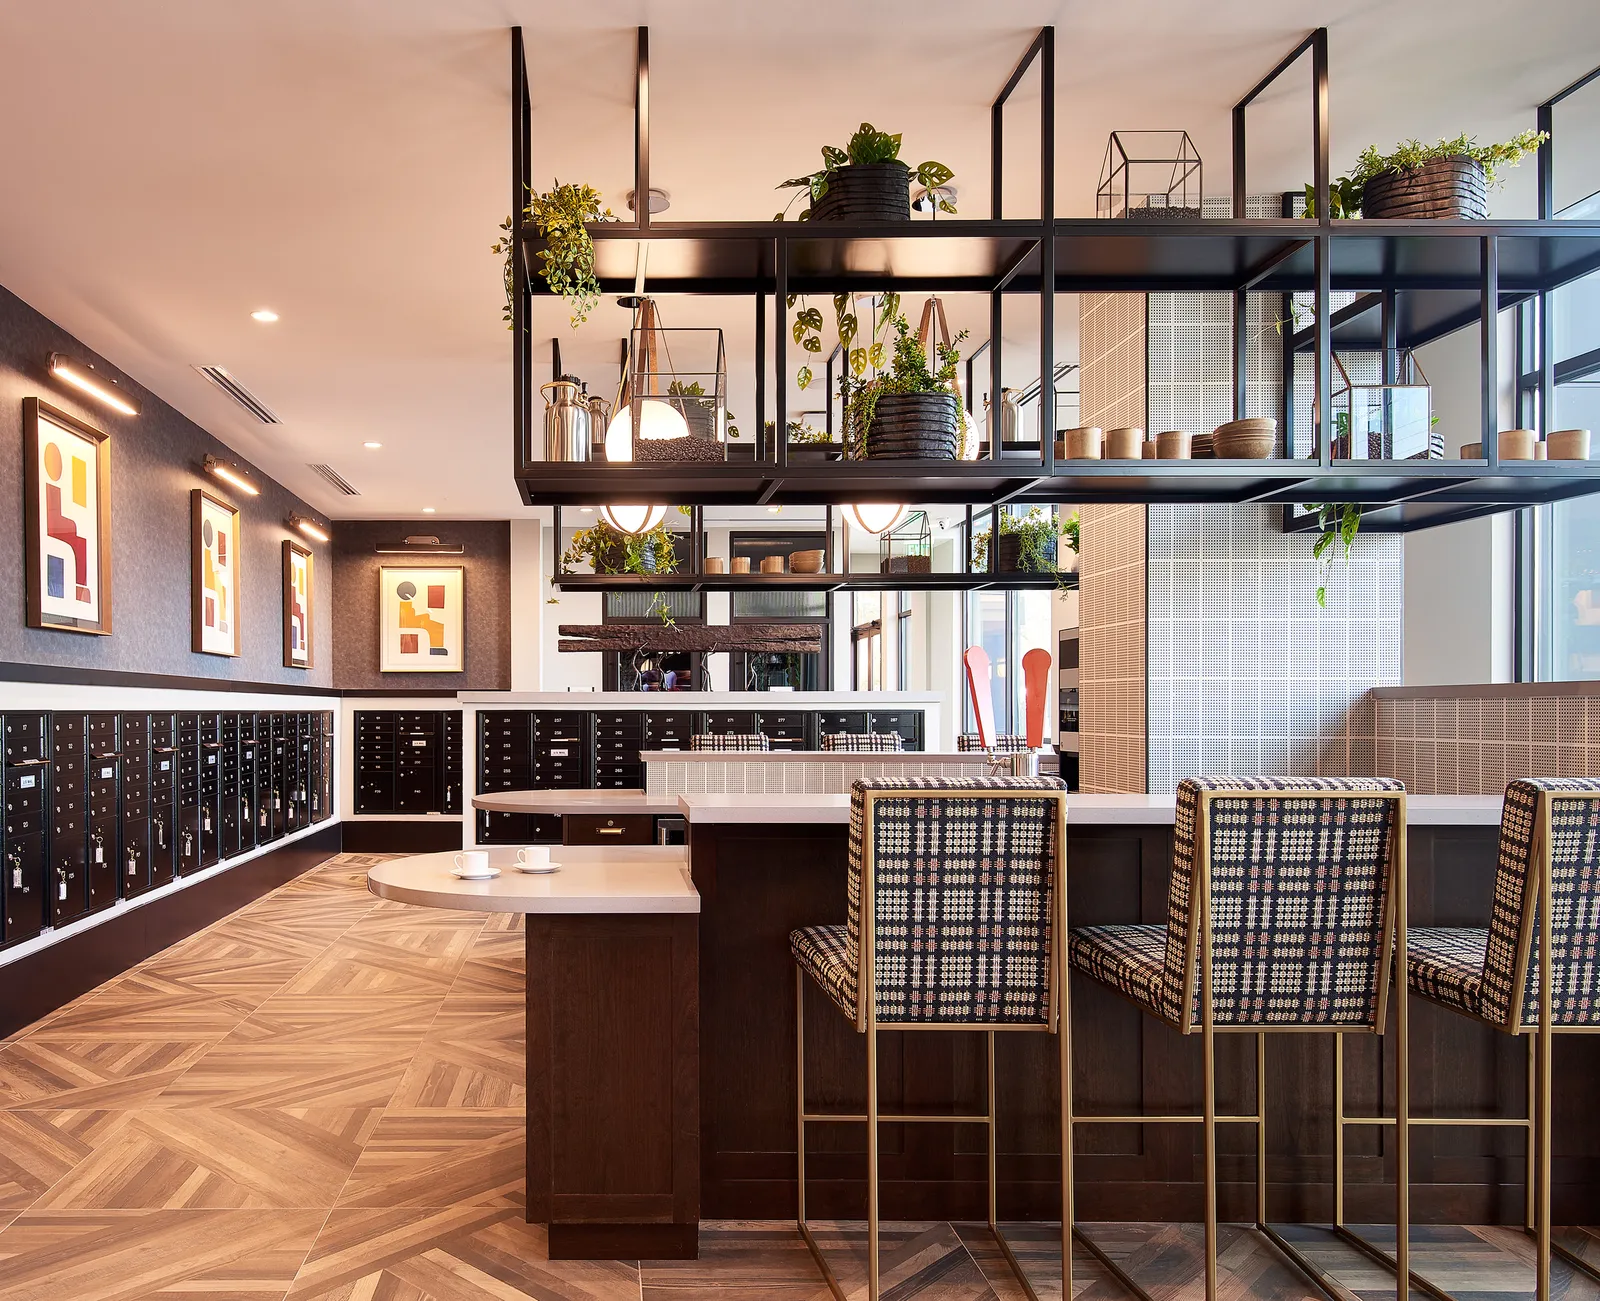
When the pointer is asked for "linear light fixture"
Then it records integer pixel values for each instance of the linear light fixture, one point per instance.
(310, 528)
(225, 472)
(420, 544)
(83, 377)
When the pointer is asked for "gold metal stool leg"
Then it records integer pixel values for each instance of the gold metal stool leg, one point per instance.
(800, 1135)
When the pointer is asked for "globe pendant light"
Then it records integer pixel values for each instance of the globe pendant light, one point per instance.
(633, 520)
(876, 517)
(657, 419)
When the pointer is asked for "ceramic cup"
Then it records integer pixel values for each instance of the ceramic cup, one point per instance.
(1149, 449)
(1082, 444)
(1516, 444)
(473, 862)
(1123, 444)
(535, 858)
(739, 565)
(1172, 445)
(714, 564)
(1569, 445)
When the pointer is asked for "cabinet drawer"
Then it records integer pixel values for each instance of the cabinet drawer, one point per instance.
(740, 722)
(617, 829)
(851, 721)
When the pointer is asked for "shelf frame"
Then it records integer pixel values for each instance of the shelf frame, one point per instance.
(1498, 263)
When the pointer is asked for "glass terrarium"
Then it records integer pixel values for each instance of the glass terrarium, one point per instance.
(908, 547)
(673, 403)
(1384, 422)
(1150, 175)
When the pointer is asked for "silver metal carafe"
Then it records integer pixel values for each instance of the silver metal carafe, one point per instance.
(1010, 416)
(566, 421)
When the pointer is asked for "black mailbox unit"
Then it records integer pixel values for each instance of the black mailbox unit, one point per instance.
(133, 860)
(165, 831)
(69, 817)
(23, 887)
(104, 813)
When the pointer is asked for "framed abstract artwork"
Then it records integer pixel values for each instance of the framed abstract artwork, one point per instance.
(214, 574)
(67, 520)
(297, 610)
(421, 618)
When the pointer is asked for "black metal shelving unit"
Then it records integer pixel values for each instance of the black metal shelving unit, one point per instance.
(1416, 281)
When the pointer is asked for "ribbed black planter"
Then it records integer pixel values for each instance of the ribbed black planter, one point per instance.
(866, 193)
(1444, 188)
(921, 425)
(1009, 556)
(613, 558)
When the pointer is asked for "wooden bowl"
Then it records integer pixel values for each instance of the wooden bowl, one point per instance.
(772, 565)
(805, 562)
(1250, 439)
(715, 565)
(739, 565)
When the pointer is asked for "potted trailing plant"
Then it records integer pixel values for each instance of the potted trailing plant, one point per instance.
(562, 215)
(609, 552)
(866, 181)
(910, 409)
(1027, 543)
(1418, 181)
(1338, 522)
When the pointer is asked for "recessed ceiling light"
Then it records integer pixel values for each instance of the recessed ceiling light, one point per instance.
(586, 510)
(264, 314)
(427, 510)
(372, 447)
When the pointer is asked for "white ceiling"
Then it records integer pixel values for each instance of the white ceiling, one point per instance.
(174, 164)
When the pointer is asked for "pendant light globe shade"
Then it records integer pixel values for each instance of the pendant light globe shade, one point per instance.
(633, 519)
(876, 517)
(658, 421)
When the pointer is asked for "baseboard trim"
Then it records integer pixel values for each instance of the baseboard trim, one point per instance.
(37, 984)
(367, 837)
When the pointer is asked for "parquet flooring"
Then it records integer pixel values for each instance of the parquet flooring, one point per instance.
(321, 1098)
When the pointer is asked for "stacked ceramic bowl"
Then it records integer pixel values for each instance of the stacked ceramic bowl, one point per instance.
(1245, 440)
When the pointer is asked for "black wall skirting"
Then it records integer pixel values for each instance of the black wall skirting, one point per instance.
(37, 985)
(70, 675)
(402, 837)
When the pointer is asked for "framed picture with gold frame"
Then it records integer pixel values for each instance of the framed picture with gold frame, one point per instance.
(422, 619)
(299, 619)
(66, 520)
(214, 574)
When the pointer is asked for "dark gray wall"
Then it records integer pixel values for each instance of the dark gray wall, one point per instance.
(156, 459)
(486, 596)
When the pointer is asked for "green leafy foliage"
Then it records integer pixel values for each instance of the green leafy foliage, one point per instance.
(610, 552)
(909, 371)
(1036, 533)
(562, 215)
(1339, 523)
(1344, 198)
(868, 145)
(807, 331)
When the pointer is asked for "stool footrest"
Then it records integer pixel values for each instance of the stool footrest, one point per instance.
(885, 1117)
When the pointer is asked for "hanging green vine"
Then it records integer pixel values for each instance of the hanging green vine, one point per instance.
(563, 216)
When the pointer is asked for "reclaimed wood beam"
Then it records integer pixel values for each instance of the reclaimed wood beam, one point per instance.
(777, 638)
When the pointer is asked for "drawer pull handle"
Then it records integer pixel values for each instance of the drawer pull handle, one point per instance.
(609, 831)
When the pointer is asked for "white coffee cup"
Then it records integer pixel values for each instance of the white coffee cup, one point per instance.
(473, 862)
(533, 856)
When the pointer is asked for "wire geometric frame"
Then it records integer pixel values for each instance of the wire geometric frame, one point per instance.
(1159, 179)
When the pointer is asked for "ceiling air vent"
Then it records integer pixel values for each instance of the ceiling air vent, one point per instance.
(239, 393)
(334, 478)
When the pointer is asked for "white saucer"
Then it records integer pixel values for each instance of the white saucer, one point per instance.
(461, 874)
(537, 869)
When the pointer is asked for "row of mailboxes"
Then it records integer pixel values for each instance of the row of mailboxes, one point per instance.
(108, 805)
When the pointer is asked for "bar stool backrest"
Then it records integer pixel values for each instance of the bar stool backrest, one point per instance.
(747, 741)
(1300, 871)
(1547, 824)
(953, 900)
(1010, 743)
(863, 742)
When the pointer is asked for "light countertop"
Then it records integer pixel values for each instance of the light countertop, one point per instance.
(968, 758)
(773, 701)
(605, 879)
(1082, 810)
(631, 800)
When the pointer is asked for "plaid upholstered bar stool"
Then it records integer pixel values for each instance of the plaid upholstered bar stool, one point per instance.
(956, 914)
(863, 742)
(1523, 977)
(1009, 743)
(734, 742)
(1285, 912)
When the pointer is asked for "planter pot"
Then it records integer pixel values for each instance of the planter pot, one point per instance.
(922, 425)
(611, 560)
(870, 192)
(1568, 445)
(1123, 444)
(739, 565)
(1008, 559)
(1516, 444)
(1172, 445)
(1445, 188)
(1083, 444)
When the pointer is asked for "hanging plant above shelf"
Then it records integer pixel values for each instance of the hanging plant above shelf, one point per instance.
(562, 215)
(1028, 544)
(866, 181)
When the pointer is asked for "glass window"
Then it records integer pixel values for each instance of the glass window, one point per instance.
(988, 622)
(1568, 565)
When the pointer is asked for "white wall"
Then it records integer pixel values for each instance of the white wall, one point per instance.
(1458, 613)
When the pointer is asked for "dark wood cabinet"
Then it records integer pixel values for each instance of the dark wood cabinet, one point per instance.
(406, 761)
(609, 829)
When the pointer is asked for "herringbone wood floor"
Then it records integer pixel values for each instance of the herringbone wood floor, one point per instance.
(321, 1097)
